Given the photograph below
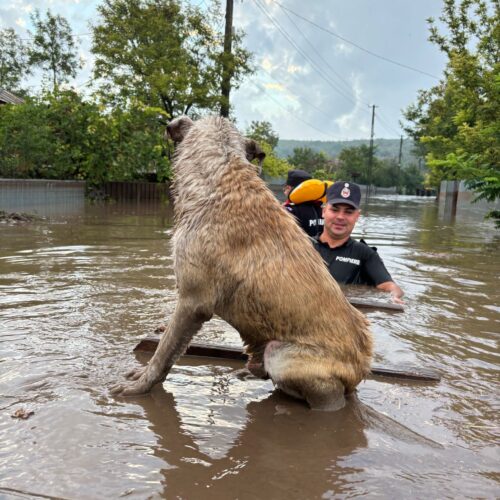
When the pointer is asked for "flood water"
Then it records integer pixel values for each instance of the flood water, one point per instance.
(78, 292)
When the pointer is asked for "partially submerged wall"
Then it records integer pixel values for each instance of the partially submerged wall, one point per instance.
(42, 196)
(455, 197)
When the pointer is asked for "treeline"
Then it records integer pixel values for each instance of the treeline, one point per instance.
(157, 59)
(456, 123)
(352, 163)
(384, 148)
(356, 164)
(153, 60)
(61, 135)
(350, 160)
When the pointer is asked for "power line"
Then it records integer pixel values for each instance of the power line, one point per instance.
(322, 111)
(287, 36)
(315, 67)
(374, 54)
(379, 119)
(386, 126)
(319, 71)
(340, 77)
(289, 112)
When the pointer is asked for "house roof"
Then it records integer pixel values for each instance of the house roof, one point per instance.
(7, 97)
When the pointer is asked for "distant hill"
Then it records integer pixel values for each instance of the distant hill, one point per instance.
(385, 148)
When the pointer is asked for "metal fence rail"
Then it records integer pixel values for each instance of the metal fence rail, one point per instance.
(136, 191)
(42, 196)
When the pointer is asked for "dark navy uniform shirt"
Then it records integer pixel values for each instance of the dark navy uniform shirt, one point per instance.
(308, 215)
(354, 262)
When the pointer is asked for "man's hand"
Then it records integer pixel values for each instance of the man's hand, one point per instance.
(395, 291)
(396, 300)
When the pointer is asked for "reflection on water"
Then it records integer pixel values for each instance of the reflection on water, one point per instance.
(76, 294)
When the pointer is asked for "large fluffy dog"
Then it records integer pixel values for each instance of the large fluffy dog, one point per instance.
(239, 255)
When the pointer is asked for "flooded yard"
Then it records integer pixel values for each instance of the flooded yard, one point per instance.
(77, 293)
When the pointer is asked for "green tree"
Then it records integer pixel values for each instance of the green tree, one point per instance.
(53, 48)
(385, 172)
(456, 121)
(353, 164)
(411, 178)
(164, 54)
(309, 160)
(263, 132)
(323, 175)
(25, 139)
(273, 166)
(13, 60)
(63, 136)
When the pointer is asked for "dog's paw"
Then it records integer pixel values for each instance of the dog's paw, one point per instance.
(138, 383)
(246, 374)
(136, 373)
(130, 389)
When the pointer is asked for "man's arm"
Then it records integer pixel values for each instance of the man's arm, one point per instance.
(391, 287)
(376, 270)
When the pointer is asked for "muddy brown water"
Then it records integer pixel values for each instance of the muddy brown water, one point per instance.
(78, 292)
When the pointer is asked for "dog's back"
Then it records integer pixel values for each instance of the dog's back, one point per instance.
(270, 283)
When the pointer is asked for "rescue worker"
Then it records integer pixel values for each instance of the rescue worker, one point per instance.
(308, 214)
(350, 261)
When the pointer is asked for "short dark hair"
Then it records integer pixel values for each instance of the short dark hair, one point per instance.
(296, 177)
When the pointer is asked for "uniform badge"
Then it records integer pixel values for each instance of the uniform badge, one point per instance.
(346, 192)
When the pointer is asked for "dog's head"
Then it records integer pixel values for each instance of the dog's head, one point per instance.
(178, 129)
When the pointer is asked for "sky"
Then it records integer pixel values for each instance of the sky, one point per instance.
(320, 65)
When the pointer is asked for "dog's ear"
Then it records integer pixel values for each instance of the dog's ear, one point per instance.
(178, 128)
(253, 150)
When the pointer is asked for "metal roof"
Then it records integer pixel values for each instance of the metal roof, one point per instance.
(7, 97)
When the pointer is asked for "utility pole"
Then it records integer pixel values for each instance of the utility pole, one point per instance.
(370, 158)
(399, 163)
(226, 63)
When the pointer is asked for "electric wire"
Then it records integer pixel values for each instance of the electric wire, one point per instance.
(338, 75)
(374, 54)
(385, 123)
(261, 89)
(301, 99)
(318, 70)
(385, 126)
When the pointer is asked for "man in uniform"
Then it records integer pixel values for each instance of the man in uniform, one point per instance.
(308, 214)
(350, 261)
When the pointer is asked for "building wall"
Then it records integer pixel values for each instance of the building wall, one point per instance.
(451, 190)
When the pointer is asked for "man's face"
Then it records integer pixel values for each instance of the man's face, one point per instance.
(287, 189)
(340, 220)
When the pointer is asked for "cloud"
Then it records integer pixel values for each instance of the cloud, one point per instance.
(293, 68)
(356, 117)
(21, 22)
(331, 81)
(275, 86)
(322, 86)
(267, 64)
